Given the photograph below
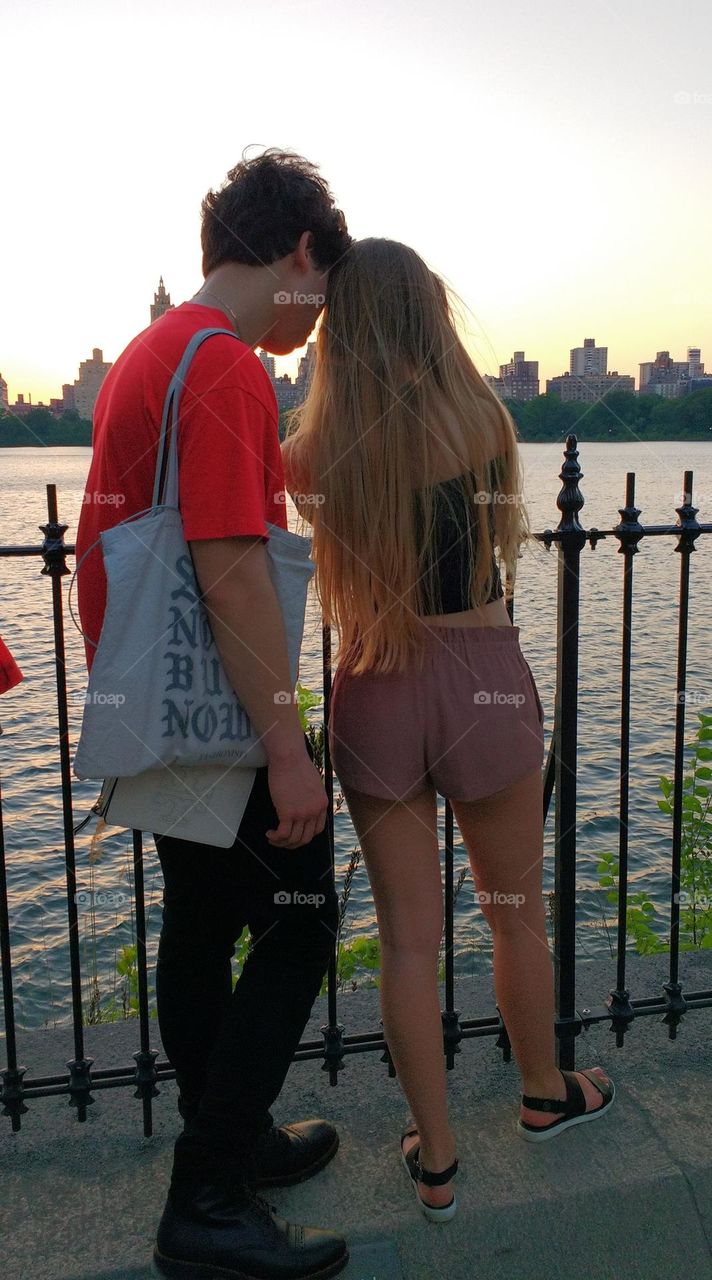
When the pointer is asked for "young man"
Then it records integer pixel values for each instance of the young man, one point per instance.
(269, 237)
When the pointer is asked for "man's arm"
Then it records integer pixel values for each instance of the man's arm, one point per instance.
(246, 620)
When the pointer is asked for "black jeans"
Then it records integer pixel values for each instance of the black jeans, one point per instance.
(231, 1049)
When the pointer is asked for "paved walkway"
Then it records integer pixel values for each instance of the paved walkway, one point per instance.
(629, 1197)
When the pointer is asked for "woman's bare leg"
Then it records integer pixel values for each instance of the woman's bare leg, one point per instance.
(400, 848)
(504, 836)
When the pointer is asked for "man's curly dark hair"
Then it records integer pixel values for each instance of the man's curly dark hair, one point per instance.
(264, 206)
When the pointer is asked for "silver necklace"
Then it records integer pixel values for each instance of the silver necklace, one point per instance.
(207, 293)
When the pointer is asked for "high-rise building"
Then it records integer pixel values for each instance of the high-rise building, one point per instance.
(590, 388)
(286, 392)
(86, 387)
(268, 362)
(698, 380)
(588, 359)
(670, 378)
(305, 370)
(22, 406)
(3, 395)
(161, 302)
(519, 379)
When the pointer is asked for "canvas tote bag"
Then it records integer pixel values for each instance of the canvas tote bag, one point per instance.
(157, 691)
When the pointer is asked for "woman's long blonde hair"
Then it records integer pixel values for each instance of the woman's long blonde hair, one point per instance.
(389, 363)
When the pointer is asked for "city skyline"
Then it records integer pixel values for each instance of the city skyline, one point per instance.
(517, 377)
(582, 360)
(548, 162)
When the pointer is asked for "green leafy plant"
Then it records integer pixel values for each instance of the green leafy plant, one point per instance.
(124, 1004)
(640, 909)
(356, 958)
(243, 946)
(695, 901)
(360, 953)
(306, 701)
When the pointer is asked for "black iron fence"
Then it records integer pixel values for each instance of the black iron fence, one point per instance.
(560, 780)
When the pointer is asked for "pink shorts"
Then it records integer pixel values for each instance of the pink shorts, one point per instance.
(468, 724)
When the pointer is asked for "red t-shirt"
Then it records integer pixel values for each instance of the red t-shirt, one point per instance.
(231, 479)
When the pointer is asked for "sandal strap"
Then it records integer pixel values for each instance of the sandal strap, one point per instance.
(604, 1087)
(436, 1179)
(418, 1173)
(574, 1104)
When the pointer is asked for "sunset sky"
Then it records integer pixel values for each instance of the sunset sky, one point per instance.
(552, 161)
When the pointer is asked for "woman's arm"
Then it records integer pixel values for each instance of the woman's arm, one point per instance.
(297, 483)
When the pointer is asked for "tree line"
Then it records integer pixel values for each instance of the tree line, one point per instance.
(620, 415)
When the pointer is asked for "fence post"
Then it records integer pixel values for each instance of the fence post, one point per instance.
(54, 554)
(571, 539)
(332, 1031)
(629, 531)
(690, 530)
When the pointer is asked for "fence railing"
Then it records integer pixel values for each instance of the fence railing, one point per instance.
(560, 780)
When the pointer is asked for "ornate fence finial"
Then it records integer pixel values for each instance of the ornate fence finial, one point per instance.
(629, 530)
(570, 499)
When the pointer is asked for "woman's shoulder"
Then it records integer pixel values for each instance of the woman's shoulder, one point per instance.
(450, 448)
(291, 460)
(297, 480)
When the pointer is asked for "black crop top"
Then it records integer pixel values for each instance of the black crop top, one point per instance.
(451, 551)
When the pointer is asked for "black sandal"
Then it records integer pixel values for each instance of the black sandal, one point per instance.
(418, 1174)
(572, 1107)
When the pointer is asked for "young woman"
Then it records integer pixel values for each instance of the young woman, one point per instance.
(407, 466)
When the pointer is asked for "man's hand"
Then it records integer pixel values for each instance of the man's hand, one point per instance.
(248, 626)
(299, 798)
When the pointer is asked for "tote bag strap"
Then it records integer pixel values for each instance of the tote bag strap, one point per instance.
(166, 494)
(171, 479)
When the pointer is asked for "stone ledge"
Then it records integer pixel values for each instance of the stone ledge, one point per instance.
(631, 1196)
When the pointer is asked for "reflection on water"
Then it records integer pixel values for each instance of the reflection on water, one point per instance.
(28, 746)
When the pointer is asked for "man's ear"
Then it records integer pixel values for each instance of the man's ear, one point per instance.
(303, 259)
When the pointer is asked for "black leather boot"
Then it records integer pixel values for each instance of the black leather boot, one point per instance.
(290, 1153)
(222, 1231)
(286, 1153)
